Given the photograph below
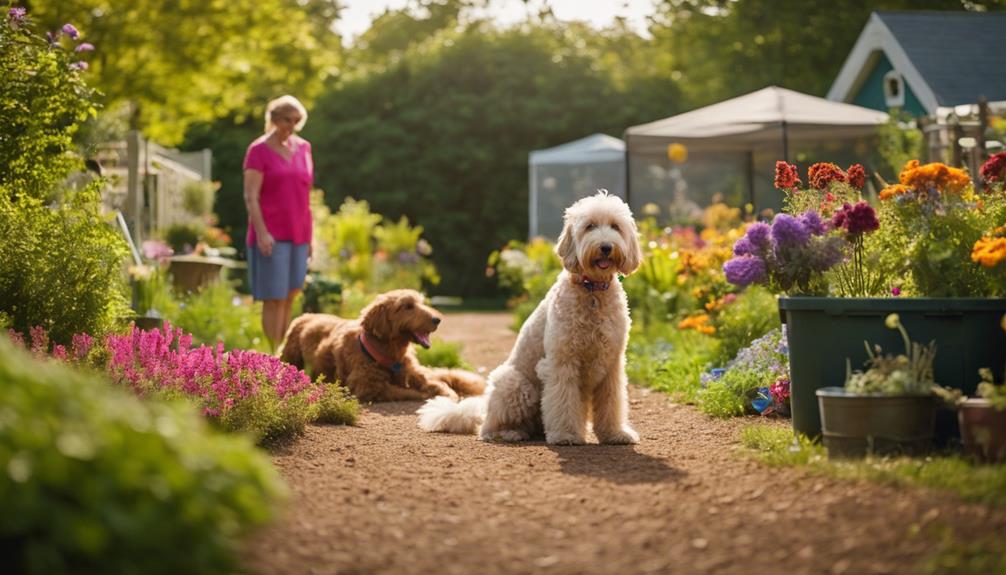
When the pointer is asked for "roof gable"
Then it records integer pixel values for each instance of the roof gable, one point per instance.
(947, 58)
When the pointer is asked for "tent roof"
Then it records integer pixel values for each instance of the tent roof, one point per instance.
(757, 117)
(592, 149)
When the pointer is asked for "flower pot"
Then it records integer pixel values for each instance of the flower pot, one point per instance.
(147, 323)
(822, 332)
(983, 430)
(856, 425)
(192, 273)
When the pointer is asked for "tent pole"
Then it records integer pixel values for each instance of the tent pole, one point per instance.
(751, 183)
(628, 193)
(785, 143)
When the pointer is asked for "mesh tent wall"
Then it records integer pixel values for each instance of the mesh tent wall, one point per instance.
(561, 175)
(732, 147)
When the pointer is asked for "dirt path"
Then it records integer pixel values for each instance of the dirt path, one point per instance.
(384, 497)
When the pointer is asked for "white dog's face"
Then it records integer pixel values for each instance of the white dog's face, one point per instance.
(599, 237)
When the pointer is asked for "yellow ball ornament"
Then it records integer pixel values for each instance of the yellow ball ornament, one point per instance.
(677, 153)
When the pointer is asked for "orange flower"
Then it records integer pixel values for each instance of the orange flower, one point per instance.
(936, 176)
(894, 190)
(699, 323)
(989, 251)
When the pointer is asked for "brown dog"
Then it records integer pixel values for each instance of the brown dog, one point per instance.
(372, 356)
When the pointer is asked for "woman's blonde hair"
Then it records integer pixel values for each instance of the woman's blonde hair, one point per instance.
(286, 102)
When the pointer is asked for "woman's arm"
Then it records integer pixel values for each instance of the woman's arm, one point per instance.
(253, 189)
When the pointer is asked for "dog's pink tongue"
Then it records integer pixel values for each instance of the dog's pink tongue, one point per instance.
(423, 338)
(603, 264)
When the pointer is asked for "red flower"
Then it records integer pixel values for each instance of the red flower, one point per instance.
(786, 176)
(857, 176)
(822, 174)
(994, 168)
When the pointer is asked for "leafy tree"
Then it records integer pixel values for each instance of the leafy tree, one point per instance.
(441, 132)
(179, 63)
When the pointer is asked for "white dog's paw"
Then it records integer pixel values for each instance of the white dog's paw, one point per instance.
(504, 435)
(563, 438)
(624, 436)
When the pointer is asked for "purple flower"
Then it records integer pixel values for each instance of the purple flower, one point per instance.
(745, 270)
(758, 234)
(895, 291)
(78, 66)
(743, 247)
(71, 31)
(812, 221)
(16, 14)
(789, 232)
(84, 47)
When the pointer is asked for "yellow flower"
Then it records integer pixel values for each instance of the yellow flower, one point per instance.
(892, 321)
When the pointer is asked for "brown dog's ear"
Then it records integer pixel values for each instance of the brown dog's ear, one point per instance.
(634, 253)
(566, 247)
(377, 318)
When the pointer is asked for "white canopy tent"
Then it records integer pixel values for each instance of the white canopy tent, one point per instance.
(561, 175)
(733, 146)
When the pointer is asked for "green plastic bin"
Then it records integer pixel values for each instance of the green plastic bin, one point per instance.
(822, 332)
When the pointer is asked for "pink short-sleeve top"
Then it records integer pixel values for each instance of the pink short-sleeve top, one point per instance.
(285, 197)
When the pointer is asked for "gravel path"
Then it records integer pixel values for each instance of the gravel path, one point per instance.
(384, 497)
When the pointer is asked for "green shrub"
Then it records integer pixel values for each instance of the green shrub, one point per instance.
(59, 256)
(754, 313)
(98, 481)
(442, 354)
(764, 362)
(670, 360)
(183, 237)
(218, 313)
(337, 406)
(61, 266)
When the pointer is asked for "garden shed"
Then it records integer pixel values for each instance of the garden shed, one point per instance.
(561, 175)
(728, 150)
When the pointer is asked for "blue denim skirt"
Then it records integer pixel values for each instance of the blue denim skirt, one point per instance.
(275, 276)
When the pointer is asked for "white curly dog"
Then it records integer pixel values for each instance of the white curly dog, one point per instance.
(568, 365)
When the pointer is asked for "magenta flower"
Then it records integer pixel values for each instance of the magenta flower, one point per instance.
(17, 14)
(895, 291)
(71, 31)
(79, 66)
(858, 219)
(84, 47)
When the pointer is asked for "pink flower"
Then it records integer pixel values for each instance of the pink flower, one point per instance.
(71, 31)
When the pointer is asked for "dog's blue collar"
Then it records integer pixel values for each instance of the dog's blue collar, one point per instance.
(591, 285)
(376, 356)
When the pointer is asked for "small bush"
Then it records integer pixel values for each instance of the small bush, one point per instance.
(337, 406)
(218, 314)
(61, 267)
(442, 354)
(754, 313)
(670, 362)
(96, 481)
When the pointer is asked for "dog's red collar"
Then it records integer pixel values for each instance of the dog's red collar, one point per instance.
(589, 284)
(370, 351)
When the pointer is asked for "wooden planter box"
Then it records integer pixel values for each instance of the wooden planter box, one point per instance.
(193, 273)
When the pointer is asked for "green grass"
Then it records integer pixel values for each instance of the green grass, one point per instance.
(952, 556)
(976, 483)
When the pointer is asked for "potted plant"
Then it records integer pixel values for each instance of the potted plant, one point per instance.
(910, 255)
(889, 409)
(983, 420)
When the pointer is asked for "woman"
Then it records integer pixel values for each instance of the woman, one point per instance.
(278, 175)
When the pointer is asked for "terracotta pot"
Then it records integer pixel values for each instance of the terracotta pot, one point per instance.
(192, 273)
(983, 430)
